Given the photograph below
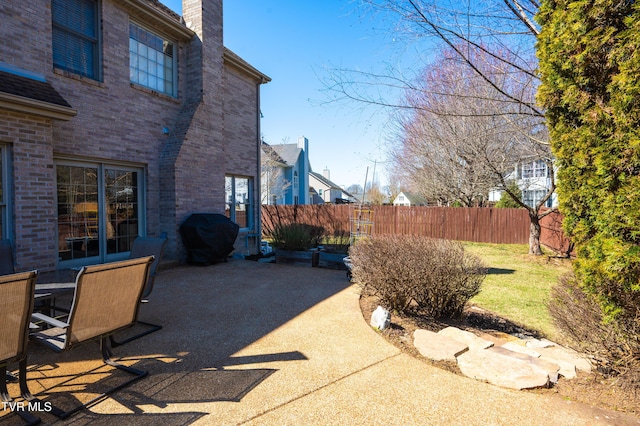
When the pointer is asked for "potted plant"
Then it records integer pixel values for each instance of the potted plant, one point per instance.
(334, 250)
(296, 243)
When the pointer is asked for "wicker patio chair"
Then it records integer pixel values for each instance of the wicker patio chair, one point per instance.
(105, 301)
(145, 246)
(16, 306)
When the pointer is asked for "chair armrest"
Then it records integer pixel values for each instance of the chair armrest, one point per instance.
(51, 321)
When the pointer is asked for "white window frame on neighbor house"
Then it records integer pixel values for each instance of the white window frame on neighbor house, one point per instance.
(153, 60)
(76, 38)
(534, 169)
(531, 197)
(6, 184)
(238, 200)
(109, 242)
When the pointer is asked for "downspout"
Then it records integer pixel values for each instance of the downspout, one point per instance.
(257, 192)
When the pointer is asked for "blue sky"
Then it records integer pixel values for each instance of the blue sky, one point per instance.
(294, 42)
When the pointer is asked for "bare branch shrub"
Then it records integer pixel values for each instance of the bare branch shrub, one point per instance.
(434, 276)
(613, 346)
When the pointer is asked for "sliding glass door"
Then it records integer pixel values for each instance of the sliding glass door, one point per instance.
(100, 211)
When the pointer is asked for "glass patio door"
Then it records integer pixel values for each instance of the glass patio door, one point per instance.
(99, 212)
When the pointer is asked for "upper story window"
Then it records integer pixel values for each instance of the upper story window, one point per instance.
(76, 40)
(152, 61)
(534, 169)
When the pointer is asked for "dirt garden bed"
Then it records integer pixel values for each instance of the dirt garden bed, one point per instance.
(591, 389)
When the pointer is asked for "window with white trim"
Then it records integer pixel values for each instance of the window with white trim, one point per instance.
(152, 60)
(535, 169)
(238, 196)
(76, 36)
(531, 197)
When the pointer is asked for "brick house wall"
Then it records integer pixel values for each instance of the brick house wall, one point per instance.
(242, 121)
(34, 186)
(184, 145)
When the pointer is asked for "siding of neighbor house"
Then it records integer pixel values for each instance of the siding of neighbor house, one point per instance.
(330, 191)
(294, 163)
(184, 145)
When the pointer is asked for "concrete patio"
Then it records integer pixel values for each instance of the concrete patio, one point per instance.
(262, 344)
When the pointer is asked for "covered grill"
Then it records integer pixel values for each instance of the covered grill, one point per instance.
(208, 237)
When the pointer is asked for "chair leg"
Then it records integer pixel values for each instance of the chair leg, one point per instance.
(10, 377)
(20, 407)
(4, 394)
(152, 329)
(106, 357)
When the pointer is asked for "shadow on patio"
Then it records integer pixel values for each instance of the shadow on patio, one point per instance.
(215, 345)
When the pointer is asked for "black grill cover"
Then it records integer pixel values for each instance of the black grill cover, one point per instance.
(208, 237)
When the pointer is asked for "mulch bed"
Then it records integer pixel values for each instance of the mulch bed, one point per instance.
(592, 389)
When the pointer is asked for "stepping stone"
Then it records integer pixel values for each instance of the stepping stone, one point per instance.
(437, 347)
(540, 343)
(497, 337)
(549, 368)
(521, 348)
(471, 340)
(502, 370)
(568, 360)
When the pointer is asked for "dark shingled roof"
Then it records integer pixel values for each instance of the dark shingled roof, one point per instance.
(31, 89)
(268, 149)
(163, 8)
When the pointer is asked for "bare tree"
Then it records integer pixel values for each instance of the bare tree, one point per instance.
(488, 99)
(273, 182)
(374, 194)
(501, 30)
(355, 189)
(461, 140)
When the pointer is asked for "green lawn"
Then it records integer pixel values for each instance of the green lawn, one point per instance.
(518, 285)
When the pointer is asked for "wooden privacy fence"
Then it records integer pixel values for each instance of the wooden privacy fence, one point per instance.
(552, 236)
(487, 225)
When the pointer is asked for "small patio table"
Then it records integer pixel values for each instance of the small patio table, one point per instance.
(52, 285)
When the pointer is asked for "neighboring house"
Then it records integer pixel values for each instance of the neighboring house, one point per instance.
(534, 180)
(117, 119)
(285, 173)
(326, 190)
(407, 199)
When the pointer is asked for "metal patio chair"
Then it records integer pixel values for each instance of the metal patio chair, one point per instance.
(105, 301)
(145, 246)
(16, 307)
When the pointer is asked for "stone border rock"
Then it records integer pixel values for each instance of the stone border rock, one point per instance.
(511, 362)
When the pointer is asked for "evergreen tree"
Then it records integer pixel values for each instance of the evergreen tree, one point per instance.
(507, 201)
(590, 69)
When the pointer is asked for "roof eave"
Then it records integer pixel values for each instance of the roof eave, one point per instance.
(238, 62)
(35, 107)
(154, 16)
